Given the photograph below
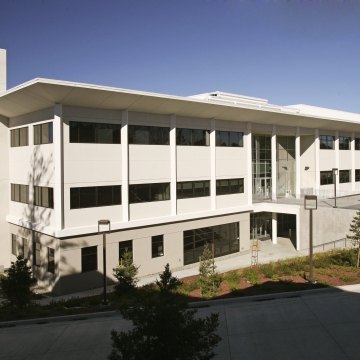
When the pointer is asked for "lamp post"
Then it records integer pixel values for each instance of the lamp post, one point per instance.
(102, 223)
(335, 172)
(310, 203)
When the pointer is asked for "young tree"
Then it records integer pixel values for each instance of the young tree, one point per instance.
(167, 281)
(16, 286)
(209, 278)
(126, 273)
(165, 329)
(355, 237)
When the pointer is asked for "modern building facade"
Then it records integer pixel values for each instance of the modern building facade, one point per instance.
(170, 174)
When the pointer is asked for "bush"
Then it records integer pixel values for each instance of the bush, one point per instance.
(268, 270)
(251, 275)
(16, 286)
(232, 279)
(125, 274)
(167, 282)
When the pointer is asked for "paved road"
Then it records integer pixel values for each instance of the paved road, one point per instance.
(323, 325)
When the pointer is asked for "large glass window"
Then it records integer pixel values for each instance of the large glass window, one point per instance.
(344, 176)
(327, 142)
(19, 137)
(157, 246)
(191, 189)
(43, 133)
(344, 142)
(19, 246)
(357, 143)
(20, 193)
(89, 259)
(95, 196)
(357, 174)
(229, 186)
(125, 246)
(194, 137)
(86, 132)
(148, 135)
(326, 177)
(149, 192)
(44, 196)
(229, 138)
(222, 239)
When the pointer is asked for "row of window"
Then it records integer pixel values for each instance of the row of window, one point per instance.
(328, 142)
(43, 196)
(327, 177)
(43, 134)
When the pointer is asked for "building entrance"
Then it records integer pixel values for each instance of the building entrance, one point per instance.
(260, 226)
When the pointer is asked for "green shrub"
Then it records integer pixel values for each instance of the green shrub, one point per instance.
(232, 279)
(125, 274)
(268, 270)
(251, 275)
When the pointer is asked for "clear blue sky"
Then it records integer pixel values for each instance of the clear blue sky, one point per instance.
(287, 51)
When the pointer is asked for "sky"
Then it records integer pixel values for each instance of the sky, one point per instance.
(286, 51)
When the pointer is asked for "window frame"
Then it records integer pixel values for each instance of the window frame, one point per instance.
(42, 136)
(149, 189)
(51, 260)
(344, 176)
(182, 194)
(357, 175)
(17, 193)
(344, 142)
(324, 140)
(17, 135)
(192, 137)
(230, 188)
(157, 246)
(40, 196)
(89, 261)
(326, 177)
(228, 143)
(124, 246)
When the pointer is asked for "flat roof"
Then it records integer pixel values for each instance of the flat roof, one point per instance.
(41, 93)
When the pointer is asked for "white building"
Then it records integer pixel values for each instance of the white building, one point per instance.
(169, 172)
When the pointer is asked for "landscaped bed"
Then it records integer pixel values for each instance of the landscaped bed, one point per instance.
(333, 268)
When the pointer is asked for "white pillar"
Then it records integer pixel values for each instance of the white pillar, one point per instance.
(213, 164)
(173, 165)
(248, 170)
(317, 162)
(274, 228)
(125, 165)
(352, 147)
(2, 70)
(59, 167)
(273, 164)
(297, 164)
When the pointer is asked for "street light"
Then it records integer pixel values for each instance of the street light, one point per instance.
(102, 223)
(335, 172)
(310, 203)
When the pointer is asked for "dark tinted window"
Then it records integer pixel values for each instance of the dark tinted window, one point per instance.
(195, 137)
(89, 259)
(44, 196)
(229, 186)
(326, 177)
(20, 193)
(157, 246)
(148, 135)
(191, 189)
(149, 192)
(229, 138)
(19, 137)
(327, 142)
(125, 246)
(344, 176)
(43, 133)
(85, 132)
(344, 142)
(51, 260)
(357, 174)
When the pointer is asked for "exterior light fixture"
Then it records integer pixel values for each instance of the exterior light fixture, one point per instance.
(102, 224)
(310, 203)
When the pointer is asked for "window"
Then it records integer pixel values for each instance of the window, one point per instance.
(148, 135)
(229, 138)
(327, 142)
(344, 176)
(222, 239)
(357, 143)
(36, 253)
(14, 244)
(326, 177)
(191, 189)
(157, 246)
(43, 133)
(44, 196)
(195, 137)
(344, 142)
(51, 260)
(19, 137)
(86, 132)
(89, 259)
(357, 174)
(125, 246)
(229, 186)
(19, 246)
(95, 196)
(149, 192)
(20, 193)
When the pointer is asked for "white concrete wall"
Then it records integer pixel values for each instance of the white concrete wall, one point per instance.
(193, 163)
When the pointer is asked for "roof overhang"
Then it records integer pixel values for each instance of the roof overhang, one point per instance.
(39, 94)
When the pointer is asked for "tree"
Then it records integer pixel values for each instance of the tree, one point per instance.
(16, 286)
(209, 279)
(355, 237)
(167, 281)
(126, 273)
(164, 328)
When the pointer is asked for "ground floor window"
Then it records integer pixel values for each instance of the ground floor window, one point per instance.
(326, 178)
(36, 253)
(51, 260)
(344, 176)
(223, 240)
(157, 246)
(123, 247)
(89, 259)
(357, 174)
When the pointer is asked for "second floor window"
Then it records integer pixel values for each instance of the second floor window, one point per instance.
(44, 196)
(43, 133)
(86, 132)
(344, 142)
(20, 193)
(192, 189)
(19, 137)
(327, 142)
(195, 137)
(229, 186)
(149, 192)
(229, 138)
(148, 135)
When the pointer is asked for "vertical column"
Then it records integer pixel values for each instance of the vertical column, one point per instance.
(274, 228)
(297, 164)
(317, 162)
(273, 164)
(213, 164)
(248, 173)
(173, 164)
(58, 167)
(125, 165)
(337, 160)
(352, 149)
